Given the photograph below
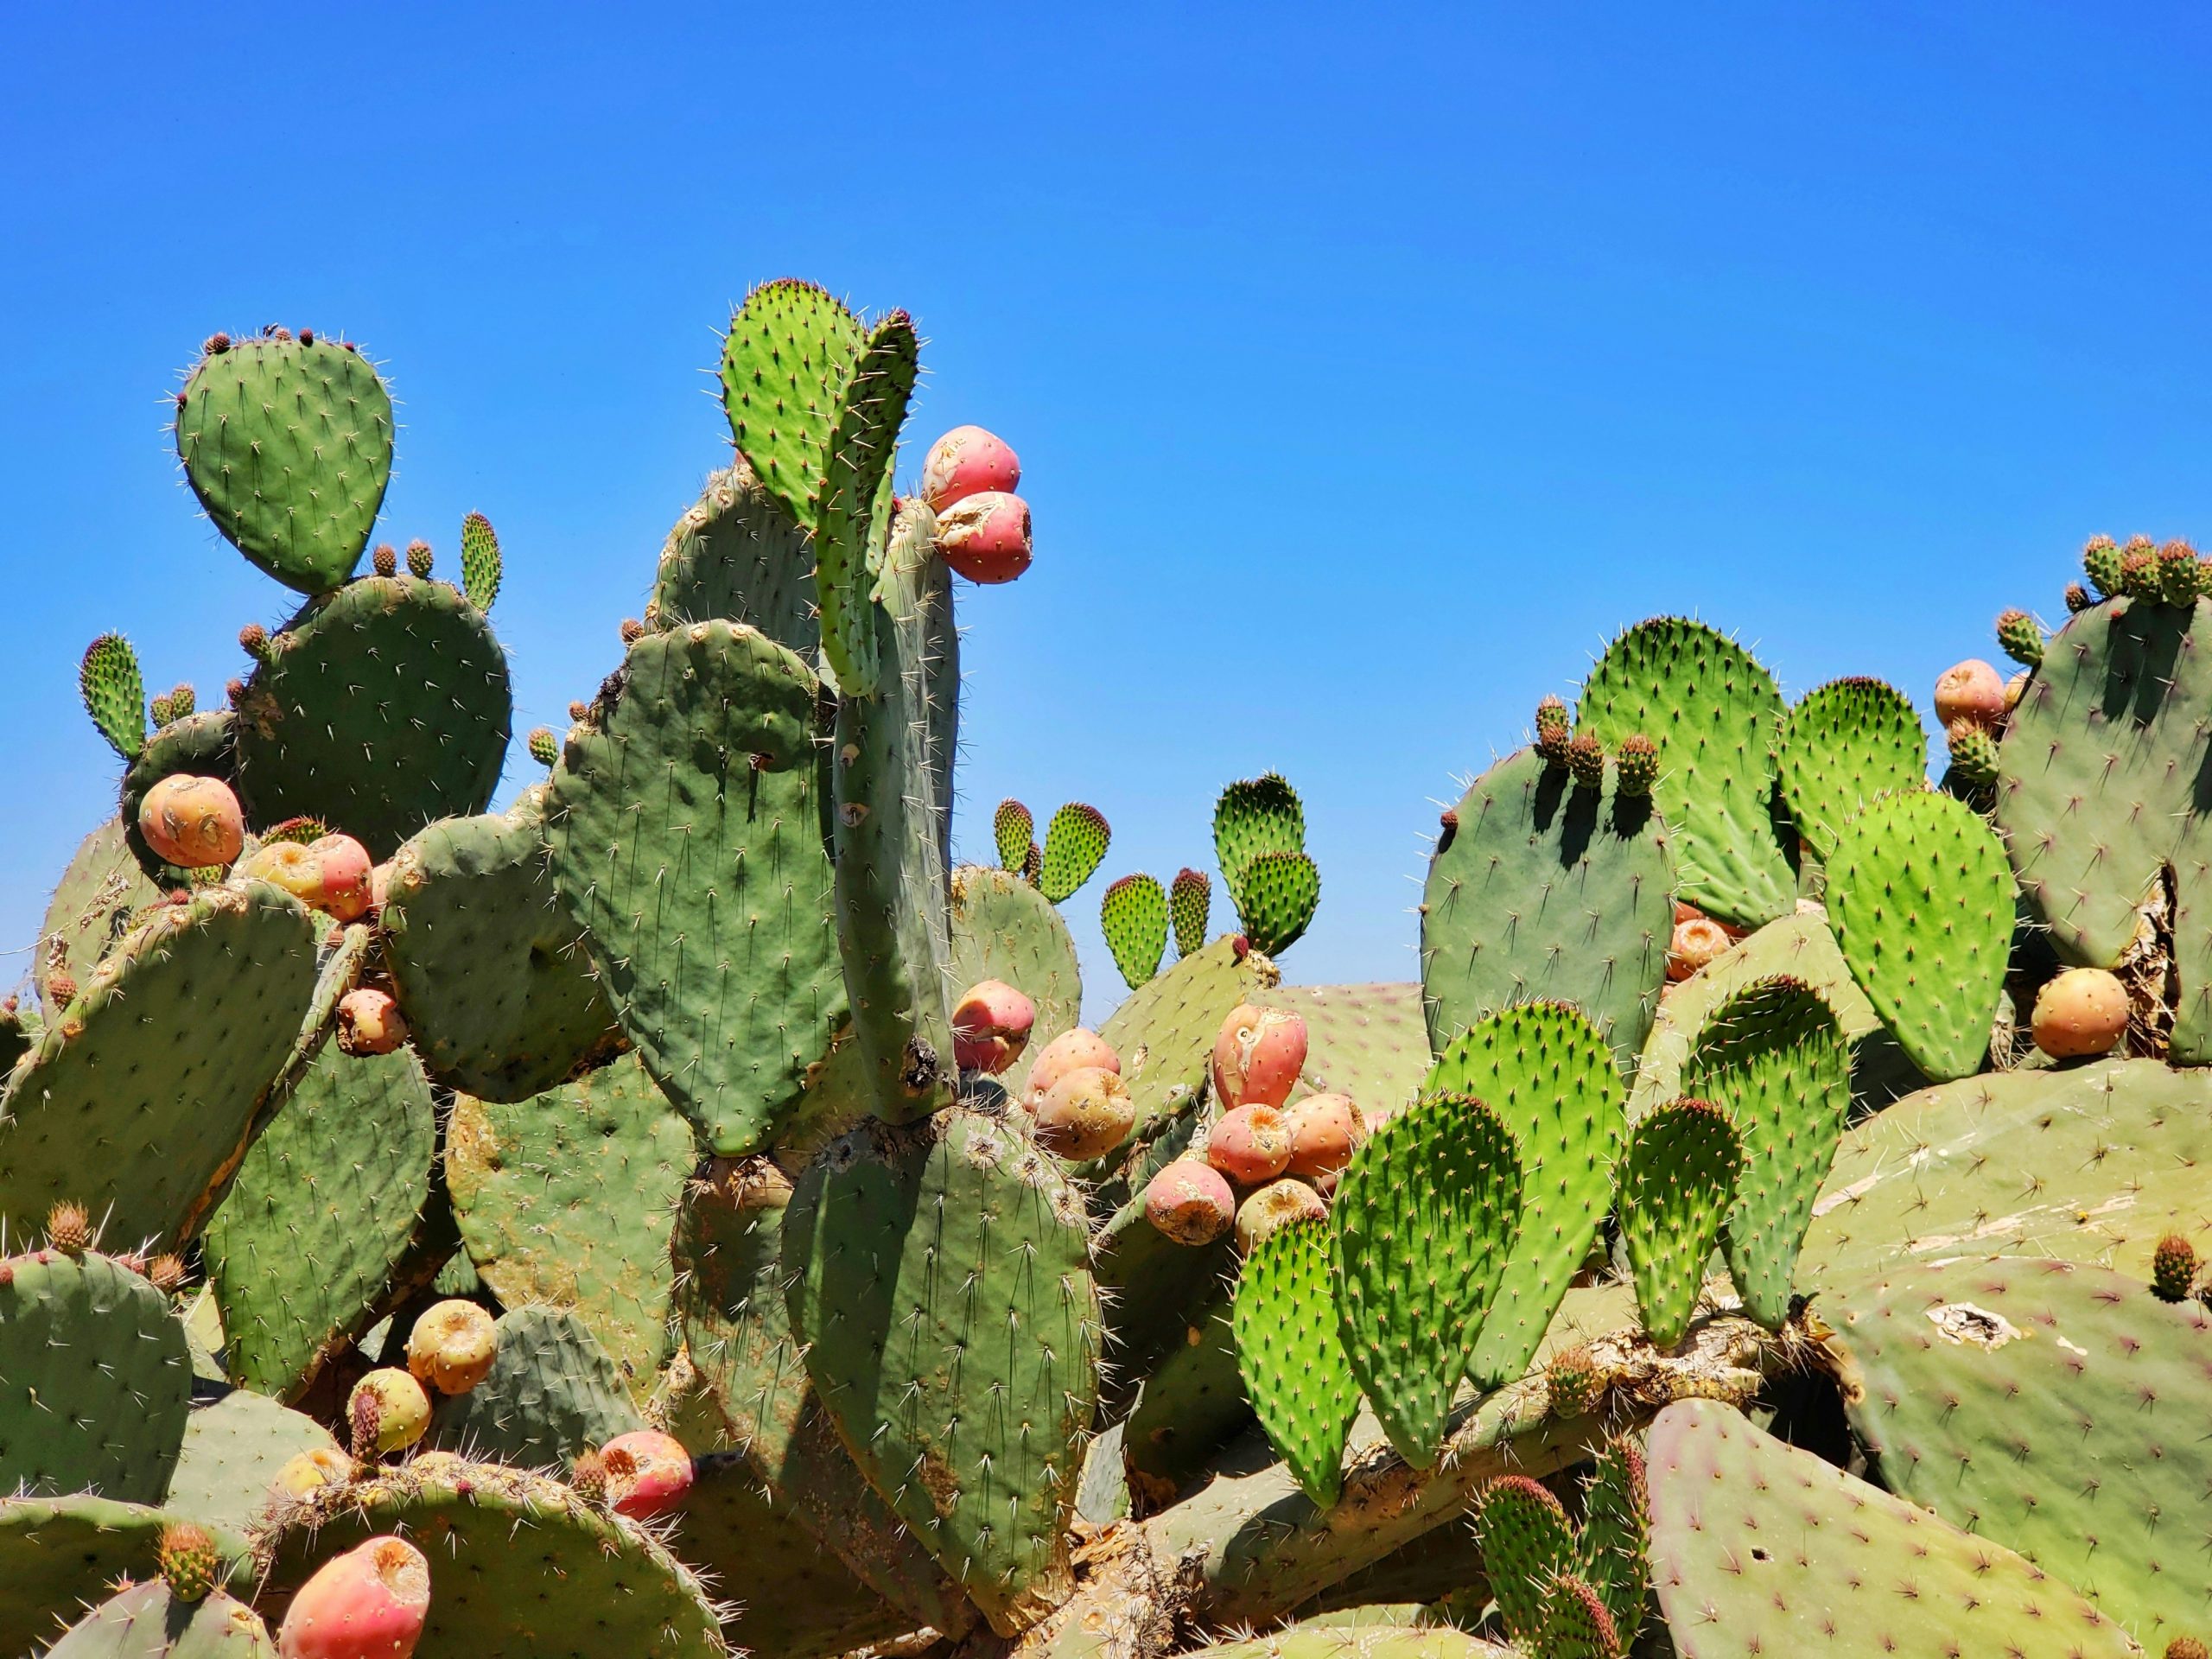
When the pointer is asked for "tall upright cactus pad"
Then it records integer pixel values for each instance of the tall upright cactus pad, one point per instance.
(791, 348)
(552, 1392)
(1546, 1073)
(1921, 900)
(1259, 840)
(1542, 889)
(55, 1552)
(1529, 1545)
(163, 1063)
(2059, 1409)
(1163, 1031)
(853, 502)
(1190, 904)
(1425, 1221)
(287, 442)
(687, 821)
(94, 1380)
(481, 565)
(568, 1200)
(1004, 929)
(1134, 918)
(490, 969)
(1292, 1356)
(1612, 1553)
(204, 745)
(1368, 1041)
(379, 708)
(1677, 1180)
(737, 554)
(91, 907)
(522, 1567)
(1774, 1058)
(1758, 1548)
(1013, 834)
(325, 1204)
(940, 1278)
(1075, 845)
(114, 693)
(1843, 746)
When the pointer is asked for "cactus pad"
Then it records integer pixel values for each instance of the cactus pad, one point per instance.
(1677, 1179)
(552, 1392)
(1529, 1544)
(1367, 1041)
(234, 1446)
(1291, 1356)
(1259, 839)
(204, 745)
(55, 1552)
(1004, 929)
(99, 893)
(791, 350)
(1843, 746)
(1134, 918)
(1190, 903)
(145, 1621)
(738, 555)
(1276, 900)
(853, 502)
(114, 693)
(1164, 1030)
(1011, 831)
(480, 562)
(1075, 845)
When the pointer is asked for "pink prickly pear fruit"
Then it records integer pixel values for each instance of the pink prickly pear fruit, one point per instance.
(192, 822)
(1970, 690)
(1072, 1051)
(369, 1023)
(1271, 1206)
(1189, 1202)
(990, 1027)
(965, 461)
(1324, 1131)
(370, 1603)
(2083, 1011)
(344, 877)
(648, 1473)
(1696, 942)
(451, 1346)
(1249, 1145)
(1085, 1115)
(1258, 1056)
(985, 537)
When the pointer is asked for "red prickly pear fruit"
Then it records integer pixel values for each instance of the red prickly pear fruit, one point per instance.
(1270, 1207)
(1258, 1056)
(990, 1027)
(1072, 1051)
(648, 1473)
(1696, 942)
(451, 1346)
(1324, 1131)
(966, 461)
(985, 537)
(344, 877)
(1190, 1203)
(1970, 690)
(1085, 1115)
(192, 822)
(370, 1603)
(380, 886)
(2083, 1011)
(1249, 1145)
(369, 1023)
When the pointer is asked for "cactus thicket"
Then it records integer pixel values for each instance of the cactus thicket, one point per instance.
(591, 1190)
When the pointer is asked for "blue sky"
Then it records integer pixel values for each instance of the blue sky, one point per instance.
(1370, 366)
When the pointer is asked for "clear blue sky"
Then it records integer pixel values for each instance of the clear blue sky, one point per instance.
(1371, 364)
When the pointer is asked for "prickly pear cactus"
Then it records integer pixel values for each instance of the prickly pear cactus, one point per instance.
(1841, 747)
(552, 1392)
(1677, 1179)
(1004, 929)
(145, 1621)
(98, 893)
(738, 555)
(1291, 1356)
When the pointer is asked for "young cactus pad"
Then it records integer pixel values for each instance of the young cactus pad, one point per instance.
(1291, 1356)
(1677, 1179)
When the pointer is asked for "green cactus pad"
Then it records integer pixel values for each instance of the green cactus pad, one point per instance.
(287, 445)
(1160, 1297)
(1841, 747)
(1254, 816)
(1012, 831)
(57, 1553)
(489, 968)
(1424, 1220)
(853, 502)
(301, 1253)
(1540, 891)
(234, 1447)
(568, 1199)
(520, 1567)
(906, 1248)
(1163, 1031)
(1367, 1041)
(1075, 845)
(163, 1062)
(480, 562)
(143, 1621)
(1192, 1403)
(114, 693)
(791, 350)
(1277, 897)
(1528, 1545)
(1614, 1546)
(381, 708)
(1004, 929)
(1677, 1179)
(1921, 901)
(98, 893)
(1291, 1356)
(1546, 1072)
(1758, 1548)
(94, 1379)
(1389, 1641)
(1712, 710)
(2056, 1408)
(1190, 902)
(1773, 1058)
(204, 745)
(738, 555)
(552, 1392)
(687, 825)
(1134, 918)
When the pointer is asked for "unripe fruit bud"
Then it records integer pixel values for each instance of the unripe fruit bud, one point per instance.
(2173, 1268)
(452, 1347)
(1969, 690)
(370, 1603)
(68, 1229)
(985, 537)
(192, 822)
(631, 629)
(648, 1473)
(543, 748)
(1249, 1145)
(991, 1025)
(418, 559)
(1635, 764)
(1257, 1057)
(1072, 1051)
(188, 1560)
(1324, 1131)
(369, 1023)
(1190, 1203)
(253, 639)
(1554, 731)
(388, 1412)
(385, 560)
(966, 461)
(1273, 1205)
(1585, 760)
(1085, 1115)
(2083, 1011)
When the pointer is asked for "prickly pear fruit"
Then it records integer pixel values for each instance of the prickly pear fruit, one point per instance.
(1969, 690)
(1635, 764)
(369, 1023)
(324, 1466)
(1257, 1057)
(2173, 1268)
(1072, 1051)
(2138, 568)
(387, 1411)
(1973, 752)
(1085, 1115)
(2187, 1647)
(286, 864)
(2083, 1011)
(452, 1347)
(419, 561)
(545, 748)
(343, 868)
(1249, 1145)
(990, 1027)
(370, 1603)
(1324, 1131)
(2020, 635)
(587, 1477)
(1585, 760)
(2101, 562)
(985, 537)
(2077, 598)
(1571, 1383)
(68, 1229)
(966, 461)
(1271, 1206)
(2178, 573)
(1554, 730)
(192, 822)
(1697, 940)
(1189, 1202)
(648, 1473)
(188, 1560)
